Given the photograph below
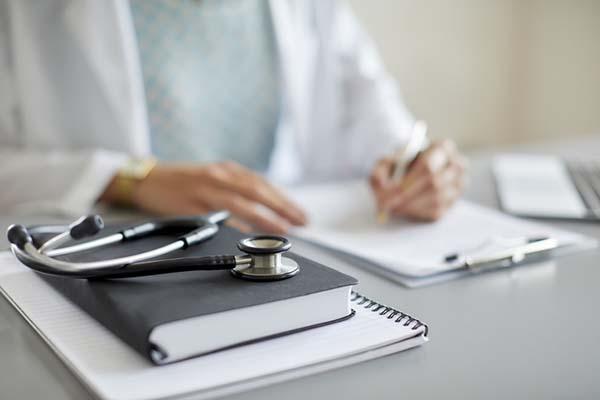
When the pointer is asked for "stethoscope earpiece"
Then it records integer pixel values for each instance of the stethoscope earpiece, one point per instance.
(18, 235)
(86, 227)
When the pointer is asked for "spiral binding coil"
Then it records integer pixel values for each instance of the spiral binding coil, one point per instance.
(389, 312)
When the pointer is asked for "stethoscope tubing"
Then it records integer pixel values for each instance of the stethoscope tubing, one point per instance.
(55, 267)
(134, 232)
(91, 245)
(197, 236)
(44, 261)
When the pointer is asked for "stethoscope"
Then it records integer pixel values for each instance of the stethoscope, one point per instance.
(263, 260)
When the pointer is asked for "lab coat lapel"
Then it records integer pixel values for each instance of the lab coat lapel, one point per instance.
(105, 33)
(296, 57)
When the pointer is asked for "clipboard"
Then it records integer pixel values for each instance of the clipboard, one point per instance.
(317, 251)
(468, 240)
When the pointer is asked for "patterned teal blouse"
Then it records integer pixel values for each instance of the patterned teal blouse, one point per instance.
(211, 79)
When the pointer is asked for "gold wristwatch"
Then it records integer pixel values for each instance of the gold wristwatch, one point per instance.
(136, 170)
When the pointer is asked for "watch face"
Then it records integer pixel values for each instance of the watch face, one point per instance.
(138, 169)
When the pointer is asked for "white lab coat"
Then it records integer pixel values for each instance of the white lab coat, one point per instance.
(72, 105)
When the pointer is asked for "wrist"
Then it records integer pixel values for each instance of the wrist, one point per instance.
(121, 189)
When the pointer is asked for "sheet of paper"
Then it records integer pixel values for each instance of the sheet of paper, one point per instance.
(114, 371)
(343, 217)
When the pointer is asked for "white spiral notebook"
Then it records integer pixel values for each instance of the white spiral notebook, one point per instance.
(111, 370)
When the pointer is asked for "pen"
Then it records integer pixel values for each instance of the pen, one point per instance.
(416, 143)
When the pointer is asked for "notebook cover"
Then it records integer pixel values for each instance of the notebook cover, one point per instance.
(132, 307)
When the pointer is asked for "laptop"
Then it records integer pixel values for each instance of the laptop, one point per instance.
(543, 186)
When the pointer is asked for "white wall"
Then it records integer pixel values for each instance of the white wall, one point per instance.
(487, 72)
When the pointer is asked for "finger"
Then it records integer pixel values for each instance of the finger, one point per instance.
(381, 174)
(430, 207)
(422, 173)
(181, 205)
(454, 176)
(247, 210)
(425, 208)
(434, 159)
(239, 225)
(254, 187)
(443, 187)
(195, 206)
(411, 186)
(433, 202)
(380, 178)
(285, 206)
(460, 165)
(426, 211)
(436, 185)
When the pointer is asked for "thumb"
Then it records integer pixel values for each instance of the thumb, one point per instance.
(380, 177)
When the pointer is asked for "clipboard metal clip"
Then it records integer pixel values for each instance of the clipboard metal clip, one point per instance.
(503, 253)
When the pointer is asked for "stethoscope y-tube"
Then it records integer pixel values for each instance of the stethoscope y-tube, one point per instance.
(262, 261)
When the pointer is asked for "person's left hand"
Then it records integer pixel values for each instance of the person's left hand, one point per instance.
(434, 181)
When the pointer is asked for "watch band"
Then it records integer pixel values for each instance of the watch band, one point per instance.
(136, 170)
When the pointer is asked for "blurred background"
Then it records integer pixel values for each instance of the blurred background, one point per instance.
(493, 72)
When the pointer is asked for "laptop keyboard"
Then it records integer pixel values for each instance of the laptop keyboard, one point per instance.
(586, 177)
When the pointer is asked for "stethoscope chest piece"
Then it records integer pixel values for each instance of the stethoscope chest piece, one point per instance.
(265, 261)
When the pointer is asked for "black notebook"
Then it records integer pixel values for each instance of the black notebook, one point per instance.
(172, 317)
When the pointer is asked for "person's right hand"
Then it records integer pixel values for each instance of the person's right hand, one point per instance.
(182, 189)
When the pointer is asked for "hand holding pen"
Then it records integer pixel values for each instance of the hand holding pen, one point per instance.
(420, 181)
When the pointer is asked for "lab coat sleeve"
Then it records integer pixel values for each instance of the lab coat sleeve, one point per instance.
(375, 121)
(45, 181)
(61, 182)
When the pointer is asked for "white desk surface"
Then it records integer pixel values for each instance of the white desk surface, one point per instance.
(525, 333)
